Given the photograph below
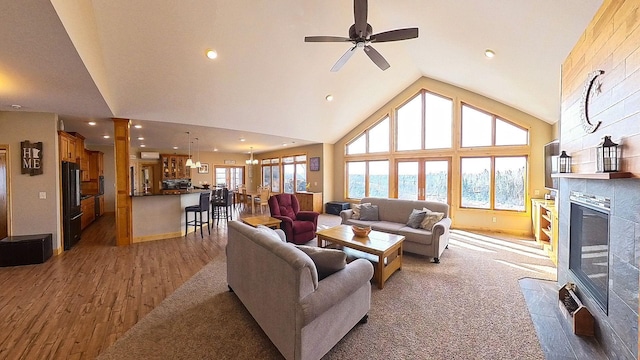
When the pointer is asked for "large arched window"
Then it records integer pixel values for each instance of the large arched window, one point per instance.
(424, 156)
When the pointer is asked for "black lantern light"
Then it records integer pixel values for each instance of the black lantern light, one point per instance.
(564, 163)
(607, 156)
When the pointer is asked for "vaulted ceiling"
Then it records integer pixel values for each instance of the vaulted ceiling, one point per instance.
(145, 60)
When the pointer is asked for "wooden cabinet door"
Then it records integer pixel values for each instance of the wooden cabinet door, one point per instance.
(100, 163)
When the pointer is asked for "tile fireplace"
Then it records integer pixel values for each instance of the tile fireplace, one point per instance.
(608, 285)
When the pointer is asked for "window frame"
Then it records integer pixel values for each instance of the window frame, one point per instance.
(492, 182)
(494, 117)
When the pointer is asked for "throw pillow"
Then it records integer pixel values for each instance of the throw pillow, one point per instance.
(369, 212)
(270, 233)
(416, 217)
(356, 210)
(327, 261)
(430, 219)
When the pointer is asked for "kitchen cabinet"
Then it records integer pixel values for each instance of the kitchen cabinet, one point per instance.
(96, 165)
(87, 206)
(310, 201)
(67, 147)
(85, 165)
(174, 167)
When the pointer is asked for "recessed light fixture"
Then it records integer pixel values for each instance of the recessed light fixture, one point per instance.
(137, 126)
(284, 144)
(212, 54)
(243, 139)
(329, 97)
(106, 136)
(175, 148)
(143, 145)
(140, 138)
(215, 149)
(92, 123)
(16, 107)
(489, 53)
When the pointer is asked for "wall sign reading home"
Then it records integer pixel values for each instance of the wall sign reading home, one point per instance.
(31, 158)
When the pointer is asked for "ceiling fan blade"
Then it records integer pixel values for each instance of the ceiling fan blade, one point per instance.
(343, 59)
(375, 56)
(325, 39)
(360, 17)
(395, 35)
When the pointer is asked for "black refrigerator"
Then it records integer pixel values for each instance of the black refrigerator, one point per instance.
(71, 210)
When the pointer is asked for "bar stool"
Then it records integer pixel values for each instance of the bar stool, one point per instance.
(203, 206)
(222, 201)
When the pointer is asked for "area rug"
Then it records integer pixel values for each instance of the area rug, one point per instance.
(469, 306)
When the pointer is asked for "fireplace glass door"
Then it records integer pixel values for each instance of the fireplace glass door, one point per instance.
(589, 251)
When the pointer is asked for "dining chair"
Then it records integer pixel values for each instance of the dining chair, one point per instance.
(263, 198)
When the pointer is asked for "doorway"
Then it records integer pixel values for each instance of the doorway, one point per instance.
(4, 226)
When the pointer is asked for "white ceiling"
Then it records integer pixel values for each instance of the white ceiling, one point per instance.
(144, 60)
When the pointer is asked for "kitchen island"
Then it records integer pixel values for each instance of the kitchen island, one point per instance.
(161, 216)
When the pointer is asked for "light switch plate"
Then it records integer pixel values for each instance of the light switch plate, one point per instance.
(42, 195)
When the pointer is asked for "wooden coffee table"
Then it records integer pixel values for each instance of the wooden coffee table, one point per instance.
(386, 249)
(262, 220)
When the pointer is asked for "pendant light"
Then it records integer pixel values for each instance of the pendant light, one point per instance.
(198, 164)
(189, 162)
(251, 161)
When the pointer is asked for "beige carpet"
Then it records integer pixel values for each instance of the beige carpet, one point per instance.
(467, 307)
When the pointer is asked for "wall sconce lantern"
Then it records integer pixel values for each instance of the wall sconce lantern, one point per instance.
(564, 163)
(607, 156)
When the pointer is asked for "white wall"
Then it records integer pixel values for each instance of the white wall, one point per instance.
(28, 214)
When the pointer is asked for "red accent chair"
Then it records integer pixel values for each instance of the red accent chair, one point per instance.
(298, 226)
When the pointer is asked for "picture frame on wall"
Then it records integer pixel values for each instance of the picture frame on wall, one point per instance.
(203, 169)
(314, 164)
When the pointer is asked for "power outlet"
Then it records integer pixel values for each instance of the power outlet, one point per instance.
(494, 219)
(536, 192)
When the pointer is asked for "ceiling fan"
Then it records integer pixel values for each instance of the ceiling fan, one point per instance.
(360, 34)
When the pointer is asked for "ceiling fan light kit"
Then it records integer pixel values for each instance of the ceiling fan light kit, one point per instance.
(361, 36)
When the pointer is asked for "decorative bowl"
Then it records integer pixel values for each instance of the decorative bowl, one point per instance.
(361, 231)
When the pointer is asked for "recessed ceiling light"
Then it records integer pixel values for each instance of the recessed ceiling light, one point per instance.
(215, 149)
(212, 54)
(243, 139)
(137, 126)
(489, 53)
(140, 138)
(106, 136)
(92, 123)
(143, 145)
(16, 106)
(175, 148)
(284, 144)
(329, 97)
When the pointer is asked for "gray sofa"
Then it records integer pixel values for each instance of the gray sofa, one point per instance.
(278, 284)
(393, 215)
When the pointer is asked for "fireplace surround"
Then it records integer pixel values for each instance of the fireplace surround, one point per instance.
(616, 326)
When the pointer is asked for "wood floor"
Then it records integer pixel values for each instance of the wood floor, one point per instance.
(78, 303)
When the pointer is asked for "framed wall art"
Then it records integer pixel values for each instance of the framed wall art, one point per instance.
(203, 169)
(314, 164)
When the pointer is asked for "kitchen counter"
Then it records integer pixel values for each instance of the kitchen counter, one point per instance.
(161, 216)
(170, 192)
